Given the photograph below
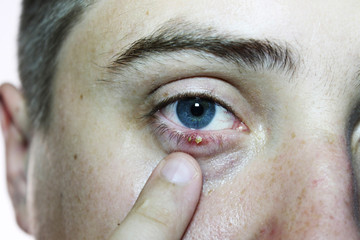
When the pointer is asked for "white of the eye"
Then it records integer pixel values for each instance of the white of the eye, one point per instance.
(222, 119)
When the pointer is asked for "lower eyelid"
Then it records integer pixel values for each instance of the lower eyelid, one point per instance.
(198, 143)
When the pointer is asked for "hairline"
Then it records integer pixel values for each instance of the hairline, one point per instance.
(44, 28)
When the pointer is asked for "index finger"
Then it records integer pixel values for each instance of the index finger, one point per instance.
(167, 202)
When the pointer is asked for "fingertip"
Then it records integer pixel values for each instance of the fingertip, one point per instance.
(180, 168)
(167, 202)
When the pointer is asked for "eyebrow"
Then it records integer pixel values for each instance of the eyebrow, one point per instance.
(175, 36)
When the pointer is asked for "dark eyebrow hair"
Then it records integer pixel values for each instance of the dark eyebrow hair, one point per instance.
(175, 36)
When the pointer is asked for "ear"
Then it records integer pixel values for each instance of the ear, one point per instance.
(14, 124)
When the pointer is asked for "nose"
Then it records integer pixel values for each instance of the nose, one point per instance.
(320, 202)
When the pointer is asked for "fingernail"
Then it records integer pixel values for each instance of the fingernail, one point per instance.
(178, 170)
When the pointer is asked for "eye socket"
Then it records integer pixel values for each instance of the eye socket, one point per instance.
(200, 116)
(199, 113)
(197, 123)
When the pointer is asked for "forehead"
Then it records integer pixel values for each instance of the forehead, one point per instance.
(255, 18)
(324, 33)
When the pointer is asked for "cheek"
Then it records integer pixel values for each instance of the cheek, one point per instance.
(87, 178)
(248, 204)
(244, 206)
(103, 182)
(273, 197)
(102, 162)
(95, 189)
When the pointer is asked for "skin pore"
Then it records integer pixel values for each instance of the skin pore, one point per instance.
(289, 173)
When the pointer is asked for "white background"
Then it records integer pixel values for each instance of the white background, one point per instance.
(9, 19)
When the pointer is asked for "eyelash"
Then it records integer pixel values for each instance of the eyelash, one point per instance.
(195, 142)
(181, 137)
(182, 96)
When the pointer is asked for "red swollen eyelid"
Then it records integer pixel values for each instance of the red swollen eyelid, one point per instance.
(197, 138)
(198, 143)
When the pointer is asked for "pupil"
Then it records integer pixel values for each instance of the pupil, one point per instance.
(197, 110)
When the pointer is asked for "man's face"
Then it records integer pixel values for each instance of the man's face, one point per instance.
(262, 93)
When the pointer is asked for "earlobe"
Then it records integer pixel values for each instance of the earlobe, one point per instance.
(14, 124)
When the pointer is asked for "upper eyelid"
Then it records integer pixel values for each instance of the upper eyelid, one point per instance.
(204, 95)
(223, 92)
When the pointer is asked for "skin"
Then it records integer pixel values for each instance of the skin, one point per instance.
(293, 174)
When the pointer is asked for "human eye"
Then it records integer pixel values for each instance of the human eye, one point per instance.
(197, 121)
(199, 113)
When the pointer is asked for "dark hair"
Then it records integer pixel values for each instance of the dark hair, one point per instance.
(44, 26)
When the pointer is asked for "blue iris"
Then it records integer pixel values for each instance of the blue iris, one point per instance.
(195, 113)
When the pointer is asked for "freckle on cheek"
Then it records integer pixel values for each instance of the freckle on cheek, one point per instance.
(316, 182)
(209, 191)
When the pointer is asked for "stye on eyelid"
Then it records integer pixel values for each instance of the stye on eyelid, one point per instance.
(198, 139)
